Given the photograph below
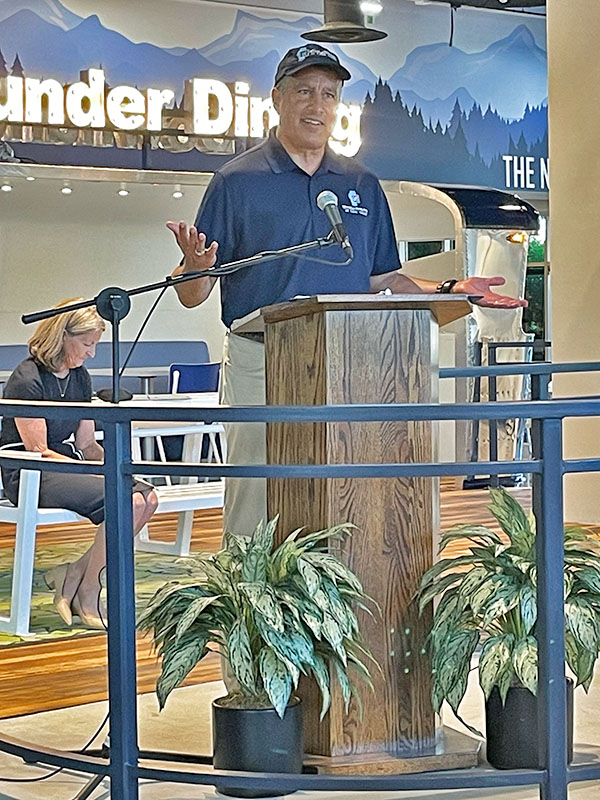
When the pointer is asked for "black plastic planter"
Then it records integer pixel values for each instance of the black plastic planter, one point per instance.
(512, 728)
(257, 740)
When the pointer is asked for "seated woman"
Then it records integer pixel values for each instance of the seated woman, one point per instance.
(55, 372)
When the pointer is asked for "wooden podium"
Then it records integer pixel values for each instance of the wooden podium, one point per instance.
(332, 349)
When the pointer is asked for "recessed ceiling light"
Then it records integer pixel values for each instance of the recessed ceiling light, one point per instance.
(123, 190)
(6, 187)
(30, 178)
(66, 189)
(177, 193)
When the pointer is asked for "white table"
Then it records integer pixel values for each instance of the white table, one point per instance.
(191, 431)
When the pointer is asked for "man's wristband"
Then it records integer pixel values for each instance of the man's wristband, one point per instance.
(446, 286)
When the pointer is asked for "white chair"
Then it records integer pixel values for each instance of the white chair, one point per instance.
(193, 436)
(201, 377)
(27, 516)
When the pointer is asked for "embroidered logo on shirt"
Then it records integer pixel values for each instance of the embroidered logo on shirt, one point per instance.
(355, 207)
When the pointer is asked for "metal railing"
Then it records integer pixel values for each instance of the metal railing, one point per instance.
(547, 467)
(539, 347)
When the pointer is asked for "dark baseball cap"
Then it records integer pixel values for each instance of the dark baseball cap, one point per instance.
(309, 55)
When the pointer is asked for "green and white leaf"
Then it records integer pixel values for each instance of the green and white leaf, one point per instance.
(177, 663)
(525, 662)
(478, 534)
(590, 578)
(191, 614)
(582, 621)
(264, 602)
(505, 681)
(494, 661)
(276, 679)
(344, 682)
(240, 657)
(321, 674)
(505, 598)
(264, 535)
(472, 580)
(528, 606)
(310, 576)
(254, 566)
(438, 588)
(333, 567)
(513, 521)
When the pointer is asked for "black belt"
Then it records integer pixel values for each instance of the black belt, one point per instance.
(255, 337)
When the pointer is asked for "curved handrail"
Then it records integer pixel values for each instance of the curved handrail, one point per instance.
(548, 465)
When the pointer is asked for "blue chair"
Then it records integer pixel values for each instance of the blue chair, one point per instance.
(194, 377)
(147, 354)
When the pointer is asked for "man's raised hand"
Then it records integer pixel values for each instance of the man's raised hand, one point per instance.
(193, 246)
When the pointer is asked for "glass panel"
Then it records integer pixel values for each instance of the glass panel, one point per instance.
(535, 314)
(420, 249)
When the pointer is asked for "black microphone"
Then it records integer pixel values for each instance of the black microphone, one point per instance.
(328, 202)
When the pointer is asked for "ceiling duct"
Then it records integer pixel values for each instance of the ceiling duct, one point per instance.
(344, 22)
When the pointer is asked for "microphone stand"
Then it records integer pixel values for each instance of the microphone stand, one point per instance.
(113, 303)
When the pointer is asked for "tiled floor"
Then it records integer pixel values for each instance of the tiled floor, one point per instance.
(185, 725)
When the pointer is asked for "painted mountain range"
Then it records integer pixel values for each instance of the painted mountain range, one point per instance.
(506, 76)
(50, 39)
(485, 103)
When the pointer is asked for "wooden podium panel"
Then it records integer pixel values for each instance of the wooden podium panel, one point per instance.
(365, 354)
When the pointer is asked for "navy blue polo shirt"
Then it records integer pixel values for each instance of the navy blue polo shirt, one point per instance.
(261, 200)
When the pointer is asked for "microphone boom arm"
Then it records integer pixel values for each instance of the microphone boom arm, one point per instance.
(114, 303)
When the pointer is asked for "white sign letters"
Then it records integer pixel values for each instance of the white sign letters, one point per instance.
(211, 108)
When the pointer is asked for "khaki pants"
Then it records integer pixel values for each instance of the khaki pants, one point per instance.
(243, 383)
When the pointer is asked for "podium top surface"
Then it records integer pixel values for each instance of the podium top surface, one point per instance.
(445, 308)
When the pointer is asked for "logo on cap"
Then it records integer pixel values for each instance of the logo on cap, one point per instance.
(306, 52)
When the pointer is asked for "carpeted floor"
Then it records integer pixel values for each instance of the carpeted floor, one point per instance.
(152, 571)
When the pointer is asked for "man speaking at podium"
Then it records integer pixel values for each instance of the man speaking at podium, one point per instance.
(274, 196)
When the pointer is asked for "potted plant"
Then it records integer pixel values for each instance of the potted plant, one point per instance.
(487, 599)
(273, 613)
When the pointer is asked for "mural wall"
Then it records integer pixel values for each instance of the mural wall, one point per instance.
(471, 113)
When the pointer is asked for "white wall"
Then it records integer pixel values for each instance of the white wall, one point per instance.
(54, 246)
(574, 77)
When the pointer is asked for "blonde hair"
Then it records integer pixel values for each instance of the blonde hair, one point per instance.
(47, 343)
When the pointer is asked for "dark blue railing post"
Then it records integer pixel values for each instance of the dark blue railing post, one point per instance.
(120, 579)
(550, 629)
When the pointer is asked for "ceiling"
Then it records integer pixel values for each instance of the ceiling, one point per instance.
(499, 5)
